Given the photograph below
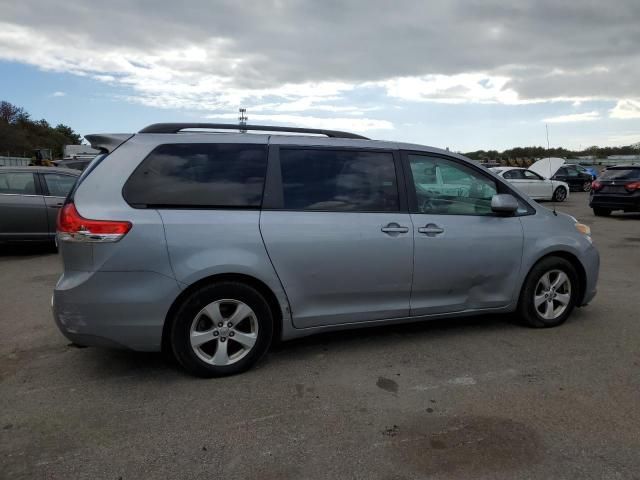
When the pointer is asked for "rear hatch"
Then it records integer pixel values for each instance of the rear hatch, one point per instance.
(623, 181)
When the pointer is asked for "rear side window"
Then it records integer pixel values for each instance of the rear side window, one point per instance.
(621, 174)
(339, 180)
(17, 183)
(59, 185)
(199, 175)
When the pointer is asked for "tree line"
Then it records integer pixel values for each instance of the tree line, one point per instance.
(541, 152)
(20, 135)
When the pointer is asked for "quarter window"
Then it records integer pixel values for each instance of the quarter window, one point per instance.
(18, 183)
(59, 185)
(444, 187)
(338, 180)
(199, 175)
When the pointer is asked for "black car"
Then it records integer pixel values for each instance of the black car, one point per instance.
(618, 188)
(577, 178)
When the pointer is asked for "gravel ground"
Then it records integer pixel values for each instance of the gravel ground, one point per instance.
(470, 398)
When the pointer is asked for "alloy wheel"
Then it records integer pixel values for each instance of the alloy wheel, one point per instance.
(552, 294)
(223, 332)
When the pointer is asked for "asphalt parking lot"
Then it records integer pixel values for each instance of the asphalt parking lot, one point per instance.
(470, 398)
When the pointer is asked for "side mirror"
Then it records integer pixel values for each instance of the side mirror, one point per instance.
(504, 204)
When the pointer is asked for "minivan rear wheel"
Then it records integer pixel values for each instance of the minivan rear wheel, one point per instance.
(221, 329)
(549, 294)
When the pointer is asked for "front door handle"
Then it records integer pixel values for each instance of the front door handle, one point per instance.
(431, 230)
(394, 228)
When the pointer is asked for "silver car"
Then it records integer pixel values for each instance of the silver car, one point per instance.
(211, 245)
(30, 198)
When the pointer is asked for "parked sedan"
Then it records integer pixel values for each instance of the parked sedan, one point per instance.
(576, 177)
(534, 185)
(30, 198)
(618, 188)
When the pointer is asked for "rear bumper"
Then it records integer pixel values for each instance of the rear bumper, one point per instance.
(616, 202)
(114, 309)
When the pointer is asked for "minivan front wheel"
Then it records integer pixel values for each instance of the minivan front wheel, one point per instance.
(549, 293)
(221, 329)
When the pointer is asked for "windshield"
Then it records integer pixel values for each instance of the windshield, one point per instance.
(621, 174)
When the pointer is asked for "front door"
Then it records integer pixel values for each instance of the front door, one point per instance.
(516, 178)
(339, 234)
(466, 257)
(537, 187)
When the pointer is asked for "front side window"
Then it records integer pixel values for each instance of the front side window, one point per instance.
(513, 175)
(529, 175)
(17, 183)
(59, 185)
(199, 175)
(338, 180)
(444, 187)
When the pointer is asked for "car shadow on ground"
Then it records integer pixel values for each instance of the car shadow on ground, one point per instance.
(123, 363)
(27, 249)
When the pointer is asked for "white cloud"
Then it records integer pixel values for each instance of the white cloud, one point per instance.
(461, 88)
(338, 123)
(574, 117)
(59, 94)
(626, 109)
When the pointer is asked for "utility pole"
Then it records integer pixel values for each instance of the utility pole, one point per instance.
(243, 119)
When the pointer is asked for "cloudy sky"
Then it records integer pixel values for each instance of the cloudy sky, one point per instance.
(459, 74)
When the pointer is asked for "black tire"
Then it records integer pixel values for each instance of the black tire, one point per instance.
(194, 303)
(601, 212)
(560, 194)
(527, 312)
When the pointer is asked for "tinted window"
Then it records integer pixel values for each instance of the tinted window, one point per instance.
(59, 185)
(445, 187)
(513, 175)
(199, 175)
(21, 183)
(338, 180)
(562, 171)
(621, 174)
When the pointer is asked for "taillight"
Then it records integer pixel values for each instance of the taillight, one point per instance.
(632, 187)
(72, 227)
(596, 185)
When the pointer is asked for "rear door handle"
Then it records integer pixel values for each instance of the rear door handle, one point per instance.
(57, 205)
(394, 228)
(431, 230)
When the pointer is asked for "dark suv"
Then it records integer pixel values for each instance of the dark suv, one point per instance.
(618, 188)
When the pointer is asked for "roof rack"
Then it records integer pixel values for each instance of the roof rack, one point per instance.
(177, 127)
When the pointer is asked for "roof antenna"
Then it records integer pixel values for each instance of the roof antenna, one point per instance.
(553, 201)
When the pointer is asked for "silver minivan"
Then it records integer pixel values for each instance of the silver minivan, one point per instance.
(210, 243)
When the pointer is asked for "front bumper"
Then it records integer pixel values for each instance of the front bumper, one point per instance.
(591, 263)
(114, 309)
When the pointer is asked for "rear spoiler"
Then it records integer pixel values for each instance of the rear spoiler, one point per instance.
(107, 142)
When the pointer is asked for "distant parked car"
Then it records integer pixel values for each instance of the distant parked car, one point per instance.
(534, 185)
(30, 198)
(618, 188)
(589, 170)
(557, 169)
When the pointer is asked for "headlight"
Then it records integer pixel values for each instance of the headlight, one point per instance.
(583, 229)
